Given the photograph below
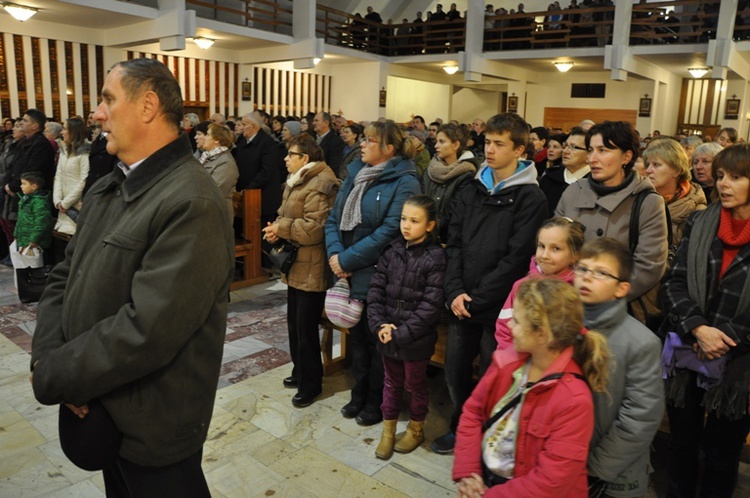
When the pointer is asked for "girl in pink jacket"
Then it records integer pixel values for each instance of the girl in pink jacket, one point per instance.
(557, 245)
(525, 430)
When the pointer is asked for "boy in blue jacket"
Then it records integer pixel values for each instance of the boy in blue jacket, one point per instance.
(491, 236)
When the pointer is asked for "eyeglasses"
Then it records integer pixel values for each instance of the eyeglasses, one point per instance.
(582, 271)
(300, 154)
(372, 140)
(573, 147)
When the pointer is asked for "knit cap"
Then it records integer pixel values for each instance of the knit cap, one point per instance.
(294, 127)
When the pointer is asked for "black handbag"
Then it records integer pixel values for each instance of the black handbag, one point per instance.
(282, 254)
(31, 283)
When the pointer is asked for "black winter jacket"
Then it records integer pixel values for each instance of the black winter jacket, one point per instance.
(491, 238)
(407, 291)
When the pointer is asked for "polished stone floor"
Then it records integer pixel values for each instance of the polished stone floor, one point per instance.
(258, 444)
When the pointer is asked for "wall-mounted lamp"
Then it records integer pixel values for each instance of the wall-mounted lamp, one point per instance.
(316, 60)
(203, 43)
(697, 72)
(452, 69)
(563, 66)
(20, 12)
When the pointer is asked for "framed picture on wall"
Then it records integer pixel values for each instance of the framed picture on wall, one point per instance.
(644, 108)
(246, 90)
(513, 104)
(383, 97)
(732, 109)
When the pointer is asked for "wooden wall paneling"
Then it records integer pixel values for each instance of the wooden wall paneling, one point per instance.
(315, 93)
(188, 77)
(217, 90)
(54, 76)
(92, 77)
(225, 101)
(20, 72)
(69, 75)
(566, 117)
(198, 80)
(100, 71)
(36, 71)
(298, 94)
(266, 89)
(236, 107)
(330, 85)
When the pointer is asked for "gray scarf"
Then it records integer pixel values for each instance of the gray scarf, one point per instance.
(352, 215)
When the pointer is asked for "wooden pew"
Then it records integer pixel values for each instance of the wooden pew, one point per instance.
(247, 243)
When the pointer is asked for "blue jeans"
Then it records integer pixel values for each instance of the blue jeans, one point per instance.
(465, 341)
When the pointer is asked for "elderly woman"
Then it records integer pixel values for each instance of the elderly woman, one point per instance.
(200, 134)
(603, 203)
(707, 293)
(308, 197)
(71, 174)
(668, 168)
(290, 130)
(351, 134)
(218, 161)
(365, 218)
(702, 159)
(726, 137)
(450, 169)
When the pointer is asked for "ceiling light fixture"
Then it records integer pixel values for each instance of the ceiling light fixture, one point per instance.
(20, 12)
(563, 66)
(697, 72)
(203, 43)
(316, 60)
(452, 69)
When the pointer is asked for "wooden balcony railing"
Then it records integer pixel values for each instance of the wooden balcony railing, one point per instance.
(341, 28)
(268, 15)
(682, 21)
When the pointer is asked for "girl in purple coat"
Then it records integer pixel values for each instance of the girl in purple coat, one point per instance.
(403, 303)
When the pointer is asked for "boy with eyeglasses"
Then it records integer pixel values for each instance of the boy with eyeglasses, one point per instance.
(628, 415)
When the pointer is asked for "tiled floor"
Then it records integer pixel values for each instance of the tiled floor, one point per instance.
(258, 445)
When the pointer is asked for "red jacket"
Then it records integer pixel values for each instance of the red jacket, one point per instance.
(555, 427)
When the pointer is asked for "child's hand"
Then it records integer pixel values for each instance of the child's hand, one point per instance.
(33, 245)
(384, 334)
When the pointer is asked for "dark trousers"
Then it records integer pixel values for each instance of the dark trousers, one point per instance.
(722, 442)
(367, 366)
(182, 479)
(412, 375)
(303, 315)
(8, 227)
(465, 341)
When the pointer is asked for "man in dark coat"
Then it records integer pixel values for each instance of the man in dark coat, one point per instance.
(100, 161)
(259, 161)
(33, 153)
(131, 325)
(330, 141)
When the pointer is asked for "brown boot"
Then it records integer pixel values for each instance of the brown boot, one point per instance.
(413, 437)
(385, 447)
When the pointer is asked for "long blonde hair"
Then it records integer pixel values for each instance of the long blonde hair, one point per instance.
(555, 306)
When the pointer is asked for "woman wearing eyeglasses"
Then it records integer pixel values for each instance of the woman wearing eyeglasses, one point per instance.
(575, 165)
(707, 293)
(604, 201)
(309, 193)
(366, 218)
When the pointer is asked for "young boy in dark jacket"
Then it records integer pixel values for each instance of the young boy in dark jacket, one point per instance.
(491, 237)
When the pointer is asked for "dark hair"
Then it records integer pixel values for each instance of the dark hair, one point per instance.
(34, 178)
(202, 127)
(512, 123)
(617, 135)
(355, 128)
(435, 123)
(612, 248)
(577, 131)
(280, 119)
(37, 116)
(541, 132)
(221, 134)
(419, 118)
(430, 209)
(731, 133)
(455, 134)
(77, 132)
(325, 117)
(144, 75)
(573, 228)
(306, 145)
(733, 159)
(560, 138)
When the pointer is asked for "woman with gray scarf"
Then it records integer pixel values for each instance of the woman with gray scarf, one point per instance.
(707, 298)
(365, 218)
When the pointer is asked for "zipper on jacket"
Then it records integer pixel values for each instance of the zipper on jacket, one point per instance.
(377, 206)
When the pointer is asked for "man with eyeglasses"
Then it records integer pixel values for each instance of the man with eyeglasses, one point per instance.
(574, 167)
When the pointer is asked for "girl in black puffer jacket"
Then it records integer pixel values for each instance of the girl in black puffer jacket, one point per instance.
(403, 302)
